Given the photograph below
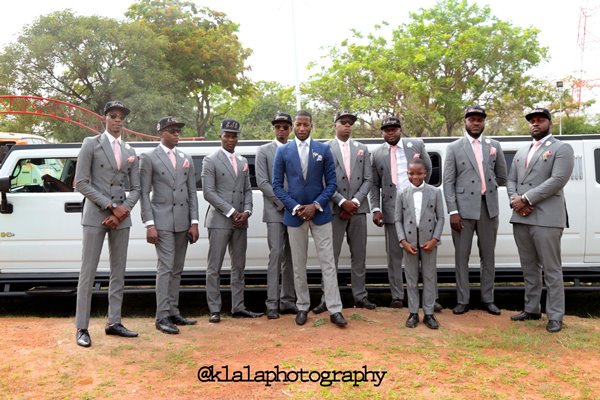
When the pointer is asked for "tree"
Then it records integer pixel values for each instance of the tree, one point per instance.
(89, 61)
(202, 47)
(445, 58)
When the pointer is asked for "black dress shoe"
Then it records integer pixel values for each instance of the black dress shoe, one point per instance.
(437, 307)
(301, 317)
(320, 308)
(272, 314)
(119, 330)
(412, 321)
(247, 314)
(365, 303)
(166, 326)
(430, 321)
(396, 303)
(554, 326)
(460, 309)
(491, 308)
(338, 319)
(214, 317)
(179, 320)
(288, 310)
(83, 338)
(526, 316)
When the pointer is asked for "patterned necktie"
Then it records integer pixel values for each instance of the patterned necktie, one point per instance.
(234, 163)
(535, 146)
(479, 158)
(347, 159)
(172, 158)
(304, 158)
(117, 151)
(393, 165)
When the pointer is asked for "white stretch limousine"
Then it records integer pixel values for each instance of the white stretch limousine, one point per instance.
(40, 231)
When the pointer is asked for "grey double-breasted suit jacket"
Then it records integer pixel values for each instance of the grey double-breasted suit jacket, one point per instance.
(174, 202)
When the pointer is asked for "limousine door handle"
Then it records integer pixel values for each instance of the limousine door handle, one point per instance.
(75, 207)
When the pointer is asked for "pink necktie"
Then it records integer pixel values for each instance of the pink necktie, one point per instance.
(232, 156)
(478, 157)
(172, 158)
(117, 151)
(347, 159)
(393, 165)
(532, 151)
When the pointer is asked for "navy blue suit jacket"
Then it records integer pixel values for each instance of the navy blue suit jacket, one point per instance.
(319, 186)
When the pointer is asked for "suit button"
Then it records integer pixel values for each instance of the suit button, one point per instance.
(472, 181)
(112, 197)
(181, 204)
(343, 177)
(344, 189)
(430, 230)
(101, 165)
(111, 185)
(181, 190)
(472, 193)
(162, 173)
(409, 232)
(429, 220)
(173, 204)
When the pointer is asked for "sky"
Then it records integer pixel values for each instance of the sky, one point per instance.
(267, 27)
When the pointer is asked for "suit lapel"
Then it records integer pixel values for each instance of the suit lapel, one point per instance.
(468, 147)
(110, 154)
(353, 151)
(425, 202)
(227, 163)
(540, 150)
(337, 154)
(164, 158)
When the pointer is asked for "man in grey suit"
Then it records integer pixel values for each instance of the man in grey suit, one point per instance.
(226, 187)
(538, 174)
(350, 204)
(474, 168)
(170, 217)
(280, 297)
(104, 166)
(389, 164)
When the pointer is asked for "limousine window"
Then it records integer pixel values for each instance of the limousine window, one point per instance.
(436, 169)
(198, 171)
(39, 175)
(597, 164)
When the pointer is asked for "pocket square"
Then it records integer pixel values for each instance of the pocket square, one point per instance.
(417, 155)
(186, 164)
(360, 153)
(492, 151)
(131, 159)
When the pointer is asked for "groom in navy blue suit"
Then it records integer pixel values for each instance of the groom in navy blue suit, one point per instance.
(309, 170)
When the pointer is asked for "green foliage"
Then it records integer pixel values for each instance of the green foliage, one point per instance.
(202, 48)
(89, 61)
(447, 57)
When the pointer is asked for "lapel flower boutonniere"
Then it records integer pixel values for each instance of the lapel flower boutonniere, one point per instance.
(417, 155)
(130, 159)
(245, 168)
(316, 156)
(409, 145)
(180, 154)
(127, 146)
(360, 153)
(492, 151)
(186, 164)
(546, 155)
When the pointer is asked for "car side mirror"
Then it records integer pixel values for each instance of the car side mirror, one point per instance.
(5, 206)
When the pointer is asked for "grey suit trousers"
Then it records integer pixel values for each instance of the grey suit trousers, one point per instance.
(170, 249)
(279, 295)
(355, 230)
(539, 251)
(219, 241)
(429, 273)
(93, 239)
(299, 245)
(487, 230)
(394, 259)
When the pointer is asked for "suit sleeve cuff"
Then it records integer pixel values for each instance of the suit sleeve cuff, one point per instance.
(376, 210)
(354, 199)
(195, 222)
(149, 223)
(295, 209)
(453, 212)
(230, 212)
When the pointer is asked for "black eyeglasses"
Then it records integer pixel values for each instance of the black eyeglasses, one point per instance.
(346, 122)
(116, 115)
(173, 130)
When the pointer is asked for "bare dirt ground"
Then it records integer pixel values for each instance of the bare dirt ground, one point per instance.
(476, 356)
